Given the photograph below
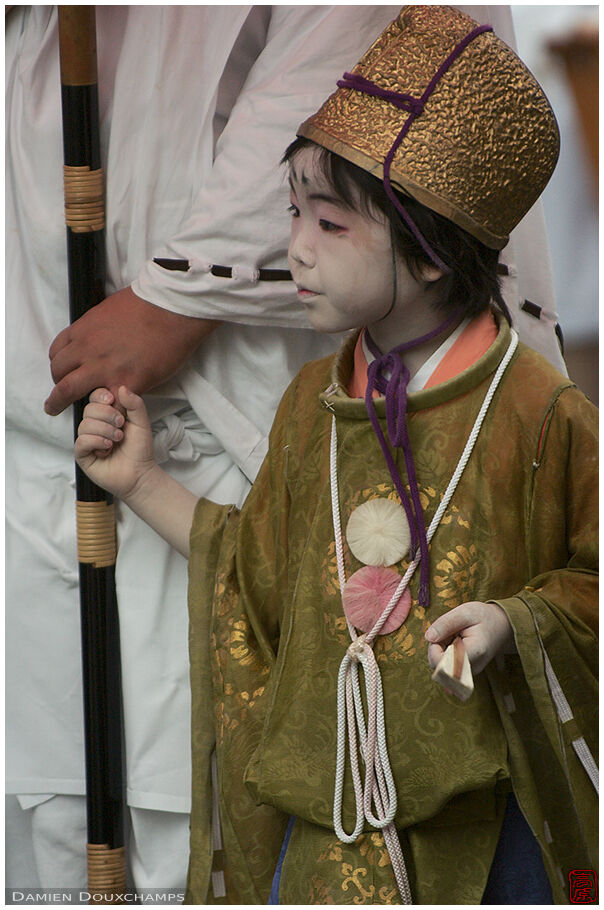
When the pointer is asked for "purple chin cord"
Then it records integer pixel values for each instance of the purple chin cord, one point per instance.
(394, 388)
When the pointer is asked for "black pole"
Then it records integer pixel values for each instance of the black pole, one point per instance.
(84, 214)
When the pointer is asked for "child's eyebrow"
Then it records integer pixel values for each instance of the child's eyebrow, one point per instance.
(315, 197)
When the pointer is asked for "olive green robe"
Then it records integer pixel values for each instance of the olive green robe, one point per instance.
(267, 635)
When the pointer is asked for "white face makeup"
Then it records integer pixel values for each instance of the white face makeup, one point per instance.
(341, 261)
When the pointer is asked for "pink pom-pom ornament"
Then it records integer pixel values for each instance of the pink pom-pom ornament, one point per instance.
(366, 595)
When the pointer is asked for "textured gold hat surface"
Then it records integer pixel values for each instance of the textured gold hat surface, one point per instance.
(487, 141)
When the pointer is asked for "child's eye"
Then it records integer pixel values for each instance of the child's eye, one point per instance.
(294, 211)
(329, 225)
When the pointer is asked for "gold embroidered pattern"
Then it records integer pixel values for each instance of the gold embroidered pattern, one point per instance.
(453, 514)
(454, 575)
(397, 645)
(358, 882)
(234, 643)
(337, 628)
(330, 582)
(354, 879)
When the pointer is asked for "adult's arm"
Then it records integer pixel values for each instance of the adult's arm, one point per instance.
(124, 340)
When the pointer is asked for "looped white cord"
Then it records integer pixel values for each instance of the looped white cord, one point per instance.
(379, 781)
(379, 786)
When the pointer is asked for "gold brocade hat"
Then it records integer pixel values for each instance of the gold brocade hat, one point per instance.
(468, 129)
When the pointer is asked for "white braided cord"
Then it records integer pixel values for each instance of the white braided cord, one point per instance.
(565, 714)
(559, 699)
(369, 738)
(587, 760)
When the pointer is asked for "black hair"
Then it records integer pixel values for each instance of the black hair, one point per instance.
(473, 282)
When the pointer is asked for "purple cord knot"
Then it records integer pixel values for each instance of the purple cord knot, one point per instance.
(401, 100)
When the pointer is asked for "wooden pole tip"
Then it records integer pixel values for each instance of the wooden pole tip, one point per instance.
(77, 45)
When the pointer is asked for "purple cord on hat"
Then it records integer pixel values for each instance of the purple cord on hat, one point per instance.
(415, 107)
(394, 388)
(408, 103)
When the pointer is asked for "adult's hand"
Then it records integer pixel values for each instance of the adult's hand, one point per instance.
(124, 340)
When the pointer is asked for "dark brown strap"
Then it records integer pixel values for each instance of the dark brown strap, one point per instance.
(224, 271)
(533, 309)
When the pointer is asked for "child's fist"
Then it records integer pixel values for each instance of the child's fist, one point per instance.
(113, 450)
(100, 426)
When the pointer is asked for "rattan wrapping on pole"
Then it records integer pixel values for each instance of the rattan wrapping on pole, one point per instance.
(97, 543)
(96, 537)
(106, 874)
(84, 206)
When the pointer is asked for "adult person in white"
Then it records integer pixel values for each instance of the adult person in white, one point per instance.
(197, 104)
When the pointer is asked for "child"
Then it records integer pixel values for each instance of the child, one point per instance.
(406, 501)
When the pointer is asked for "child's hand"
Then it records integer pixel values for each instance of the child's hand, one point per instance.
(116, 452)
(484, 628)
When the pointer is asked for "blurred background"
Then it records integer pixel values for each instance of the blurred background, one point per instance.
(561, 49)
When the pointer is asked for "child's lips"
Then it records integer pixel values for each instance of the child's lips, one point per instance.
(305, 293)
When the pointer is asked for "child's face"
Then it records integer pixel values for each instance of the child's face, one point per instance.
(340, 259)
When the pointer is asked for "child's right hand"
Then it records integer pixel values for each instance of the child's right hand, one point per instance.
(116, 452)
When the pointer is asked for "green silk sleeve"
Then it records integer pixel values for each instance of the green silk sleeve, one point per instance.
(547, 694)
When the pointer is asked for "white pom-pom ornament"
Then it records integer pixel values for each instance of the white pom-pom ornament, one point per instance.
(366, 595)
(378, 532)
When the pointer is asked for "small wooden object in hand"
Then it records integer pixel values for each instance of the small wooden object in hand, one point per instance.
(453, 672)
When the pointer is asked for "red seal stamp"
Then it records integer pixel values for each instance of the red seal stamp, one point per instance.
(583, 886)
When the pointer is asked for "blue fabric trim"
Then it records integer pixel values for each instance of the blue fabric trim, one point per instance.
(517, 874)
(274, 896)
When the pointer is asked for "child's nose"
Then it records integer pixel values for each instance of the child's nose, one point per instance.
(301, 249)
